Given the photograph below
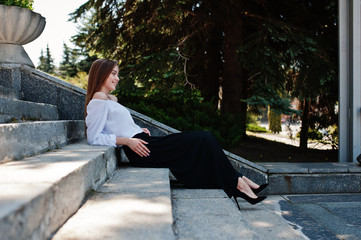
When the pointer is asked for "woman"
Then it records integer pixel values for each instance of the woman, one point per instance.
(194, 158)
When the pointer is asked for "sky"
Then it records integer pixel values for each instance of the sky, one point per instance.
(58, 29)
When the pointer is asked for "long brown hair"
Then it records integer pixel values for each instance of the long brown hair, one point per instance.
(98, 73)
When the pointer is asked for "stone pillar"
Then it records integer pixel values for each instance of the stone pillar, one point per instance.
(349, 79)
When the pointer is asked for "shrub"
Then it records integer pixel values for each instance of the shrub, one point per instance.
(312, 134)
(19, 3)
(255, 128)
(333, 136)
(183, 111)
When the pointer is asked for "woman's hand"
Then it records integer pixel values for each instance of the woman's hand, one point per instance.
(146, 131)
(138, 146)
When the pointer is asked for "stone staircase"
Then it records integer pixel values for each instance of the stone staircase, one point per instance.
(13, 109)
(46, 167)
(53, 185)
(48, 171)
(38, 194)
(134, 204)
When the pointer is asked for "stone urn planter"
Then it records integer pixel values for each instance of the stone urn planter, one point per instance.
(18, 26)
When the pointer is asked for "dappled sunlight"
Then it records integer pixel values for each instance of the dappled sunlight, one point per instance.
(132, 205)
(56, 159)
(35, 171)
(268, 219)
(284, 213)
(268, 202)
(121, 214)
(261, 224)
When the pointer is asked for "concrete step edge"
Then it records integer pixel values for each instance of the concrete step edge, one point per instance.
(9, 93)
(20, 140)
(13, 109)
(134, 204)
(38, 194)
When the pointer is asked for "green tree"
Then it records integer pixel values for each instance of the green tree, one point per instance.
(85, 63)
(46, 62)
(250, 51)
(297, 56)
(41, 65)
(68, 66)
(316, 83)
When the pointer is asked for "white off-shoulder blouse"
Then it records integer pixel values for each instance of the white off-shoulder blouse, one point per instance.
(106, 120)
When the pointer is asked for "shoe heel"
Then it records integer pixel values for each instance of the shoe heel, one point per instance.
(248, 198)
(235, 199)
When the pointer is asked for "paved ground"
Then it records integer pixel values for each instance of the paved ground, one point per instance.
(209, 214)
(287, 140)
(324, 216)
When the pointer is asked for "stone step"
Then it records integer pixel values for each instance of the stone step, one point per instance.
(310, 178)
(38, 194)
(9, 93)
(19, 140)
(17, 110)
(210, 214)
(134, 204)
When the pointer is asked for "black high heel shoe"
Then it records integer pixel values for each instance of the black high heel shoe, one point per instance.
(260, 188)
(247, 198)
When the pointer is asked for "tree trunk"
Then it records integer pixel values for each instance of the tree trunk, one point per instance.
(305, 123)
(212, 42)
(213, 68)
(274, 121)
(234, 82)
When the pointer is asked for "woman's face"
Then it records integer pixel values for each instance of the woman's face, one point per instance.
(112, 80)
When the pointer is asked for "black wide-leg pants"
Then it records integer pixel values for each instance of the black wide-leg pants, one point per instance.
(194, 158)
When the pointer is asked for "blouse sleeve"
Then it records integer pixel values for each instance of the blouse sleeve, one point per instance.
(96, 118)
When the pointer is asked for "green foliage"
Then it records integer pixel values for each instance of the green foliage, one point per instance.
(75, 61)
(46, 62)
(84, 64)
(286, 49)
(75, 66)
(256, 128)
(183, 110)
(19, 3)
(68, 66)
(332, 135)
(294, 54)
(313, 134)
(80, 80)
(279, 105)
(156, 72)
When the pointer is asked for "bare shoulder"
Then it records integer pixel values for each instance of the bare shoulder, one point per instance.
(113, 98)
(100, 95)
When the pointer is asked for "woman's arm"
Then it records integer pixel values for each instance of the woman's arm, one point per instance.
(137, 145)
(146, 131)
(95, 122)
